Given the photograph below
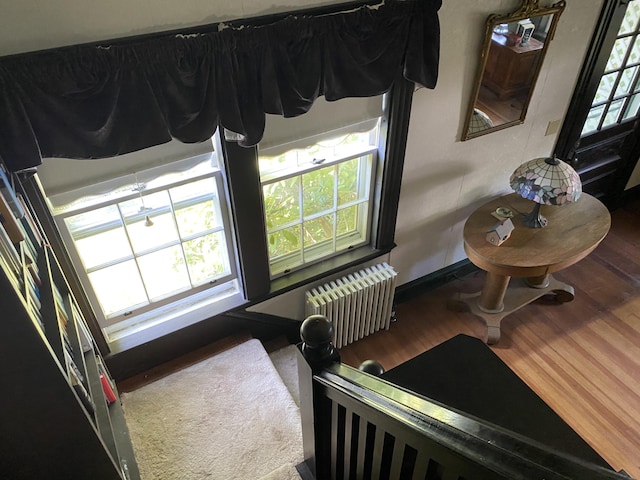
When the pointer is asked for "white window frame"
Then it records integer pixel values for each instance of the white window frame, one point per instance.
(368, 162)
(176, 310)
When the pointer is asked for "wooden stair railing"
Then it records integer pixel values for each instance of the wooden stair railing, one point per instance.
(358, 426)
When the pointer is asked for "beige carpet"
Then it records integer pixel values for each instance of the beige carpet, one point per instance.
(227, 417)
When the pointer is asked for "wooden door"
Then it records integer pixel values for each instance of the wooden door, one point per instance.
(600, 134)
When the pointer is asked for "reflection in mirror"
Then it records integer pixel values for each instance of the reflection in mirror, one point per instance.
(512, 55)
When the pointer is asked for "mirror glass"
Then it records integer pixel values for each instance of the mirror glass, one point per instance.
(513, 51)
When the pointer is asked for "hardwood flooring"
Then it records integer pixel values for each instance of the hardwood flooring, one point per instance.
(581, 357)
(500, 111)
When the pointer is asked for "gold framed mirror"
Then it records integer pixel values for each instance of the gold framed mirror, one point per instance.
(514, 49)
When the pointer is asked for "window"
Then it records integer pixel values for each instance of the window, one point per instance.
(142, 246)
(617, 98)
(194, 233)
(295, 220)
(317, 197)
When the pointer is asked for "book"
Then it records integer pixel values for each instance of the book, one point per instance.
(35, 274)
(84, 396)
(10, 254)
(33, 228)
(9, 221)
(86, 340)
(30, 252)
(109, 394)
(7, 190)
(72, 368)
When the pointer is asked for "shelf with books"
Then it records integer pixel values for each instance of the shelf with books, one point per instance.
(63, 332)
(31, 287)
(10, 257)
(65, 395)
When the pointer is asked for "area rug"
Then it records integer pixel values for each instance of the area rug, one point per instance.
(286, 362)
(227, 417)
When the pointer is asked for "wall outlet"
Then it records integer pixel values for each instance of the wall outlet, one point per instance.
(553, 127)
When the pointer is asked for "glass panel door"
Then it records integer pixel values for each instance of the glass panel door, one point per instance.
(618, 95)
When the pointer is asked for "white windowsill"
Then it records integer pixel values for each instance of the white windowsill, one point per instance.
(126, 335)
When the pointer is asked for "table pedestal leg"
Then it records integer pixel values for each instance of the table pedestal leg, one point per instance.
(498, 298)
(492, 295)
(538, 282)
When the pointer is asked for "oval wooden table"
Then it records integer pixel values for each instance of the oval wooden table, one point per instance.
(573, 231)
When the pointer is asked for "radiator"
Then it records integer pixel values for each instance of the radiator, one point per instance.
(357, 304)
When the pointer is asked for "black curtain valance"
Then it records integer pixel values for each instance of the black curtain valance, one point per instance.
(96, 101)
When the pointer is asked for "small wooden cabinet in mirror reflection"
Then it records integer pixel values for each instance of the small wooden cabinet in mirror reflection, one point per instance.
(512, 55)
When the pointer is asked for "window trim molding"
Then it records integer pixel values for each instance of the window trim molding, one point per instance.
(144, 310)
(245, 199)
(587, 84)
(395, 128)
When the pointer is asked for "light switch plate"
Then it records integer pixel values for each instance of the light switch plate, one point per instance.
(553, 127)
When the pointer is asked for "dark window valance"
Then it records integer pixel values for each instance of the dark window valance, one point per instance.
(95, 101)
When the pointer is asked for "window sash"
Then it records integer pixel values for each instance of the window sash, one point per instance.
(165, 300)
(337, 243)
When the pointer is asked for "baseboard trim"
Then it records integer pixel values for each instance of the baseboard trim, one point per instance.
(417, 287)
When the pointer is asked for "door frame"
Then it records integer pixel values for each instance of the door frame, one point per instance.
(568, 140)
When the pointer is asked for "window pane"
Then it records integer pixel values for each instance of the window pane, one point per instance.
(612, 114)
(318, 230)
(99, 236)
(195, 207)
(302, 198)
(118, 287)
(284, 242)
(281, 202)
(605, 87)
(352, 226)
(347, 220)
(318, 237)
(164, 272)
(197, 218)
(147, 235)
(626, 81)
(348, 181)
(206, 257)
(634, 57)
(632, 107)
(630, 18)
(616, 59)
(593, 120)
(318, 190)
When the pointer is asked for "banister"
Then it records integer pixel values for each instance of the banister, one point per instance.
(502, 452)
(357, 425)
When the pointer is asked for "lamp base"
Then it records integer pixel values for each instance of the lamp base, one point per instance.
(534, 219)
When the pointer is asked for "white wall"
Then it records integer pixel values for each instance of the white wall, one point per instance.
(634, 180)
(28, 25)
(444, 179)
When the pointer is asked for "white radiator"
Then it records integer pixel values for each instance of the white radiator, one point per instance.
(357, 304)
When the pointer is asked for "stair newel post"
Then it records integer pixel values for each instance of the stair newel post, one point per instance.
(317, 346)
(318, 352)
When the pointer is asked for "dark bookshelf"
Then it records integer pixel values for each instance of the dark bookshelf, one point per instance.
(58, 418)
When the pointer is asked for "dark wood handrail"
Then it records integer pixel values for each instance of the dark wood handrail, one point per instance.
(489, 449)
(356, 425)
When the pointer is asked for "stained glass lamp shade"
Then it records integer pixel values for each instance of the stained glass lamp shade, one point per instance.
(545, 181)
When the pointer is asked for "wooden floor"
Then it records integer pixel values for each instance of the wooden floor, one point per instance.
(582, 357)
